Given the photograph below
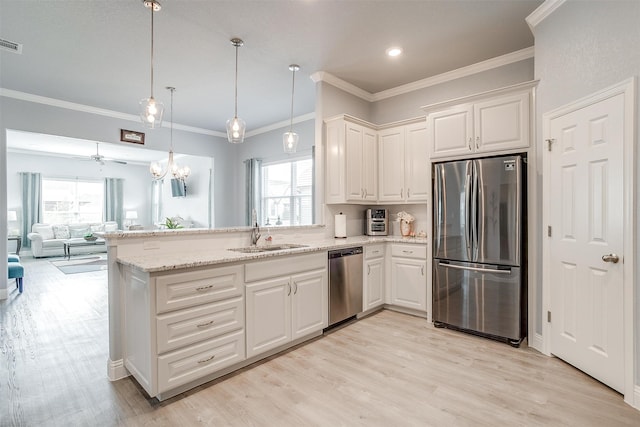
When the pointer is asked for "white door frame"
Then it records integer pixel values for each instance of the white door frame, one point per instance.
(628, 89)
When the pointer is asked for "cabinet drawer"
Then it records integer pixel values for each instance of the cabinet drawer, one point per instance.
(190, 288)
(373, 251)
(199, 360)
(409, 251)
(190, 325)
(284, 265)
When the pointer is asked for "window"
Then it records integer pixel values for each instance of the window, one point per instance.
(66, 201)
(287, 193)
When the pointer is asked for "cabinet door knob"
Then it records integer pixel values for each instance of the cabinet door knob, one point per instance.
(477, 142)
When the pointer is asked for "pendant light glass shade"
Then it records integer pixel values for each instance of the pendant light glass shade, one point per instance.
(235, 130)
(290, 142)
(236, 126)
(177, 171)
(151, 111)
(290, 139)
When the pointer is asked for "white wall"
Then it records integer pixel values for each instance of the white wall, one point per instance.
(581, 48)
(136, 186)
(194, 207)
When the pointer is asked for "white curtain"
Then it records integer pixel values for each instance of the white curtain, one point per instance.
(253, 189)
(113, 200)
(31, 203)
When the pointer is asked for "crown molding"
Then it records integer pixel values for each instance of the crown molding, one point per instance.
(323, 76)
(29, 97)
(542, 12)
(489, 64)
(280, 125)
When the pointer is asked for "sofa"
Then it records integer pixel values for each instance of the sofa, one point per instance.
(49, 239)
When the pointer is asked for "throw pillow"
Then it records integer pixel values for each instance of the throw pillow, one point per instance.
(61, 232)
(97, 228)
(44, 230)
(79, 230)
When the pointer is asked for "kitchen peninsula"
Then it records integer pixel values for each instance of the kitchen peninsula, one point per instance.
(186, 306)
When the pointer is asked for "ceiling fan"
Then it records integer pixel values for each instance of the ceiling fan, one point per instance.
(100, 159)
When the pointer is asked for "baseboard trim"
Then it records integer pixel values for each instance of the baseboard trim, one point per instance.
(4, 293)
(116, 370)
(634, 400)
(536, 342)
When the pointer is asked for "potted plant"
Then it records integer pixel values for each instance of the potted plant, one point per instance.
(172, 223)
(90, 237)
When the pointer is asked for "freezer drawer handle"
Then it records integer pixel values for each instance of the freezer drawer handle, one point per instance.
(482, 270)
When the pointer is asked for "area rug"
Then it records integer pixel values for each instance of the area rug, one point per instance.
(81, 264)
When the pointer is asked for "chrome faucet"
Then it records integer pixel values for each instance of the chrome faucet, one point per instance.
(255, 232)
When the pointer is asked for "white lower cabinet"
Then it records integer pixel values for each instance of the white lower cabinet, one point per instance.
(373, 274)
(409, 276)
(182, 326)
(287, 307)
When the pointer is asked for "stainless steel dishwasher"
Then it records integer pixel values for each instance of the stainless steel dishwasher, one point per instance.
(345, 284)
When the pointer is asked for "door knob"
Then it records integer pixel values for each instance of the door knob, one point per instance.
(611, 258)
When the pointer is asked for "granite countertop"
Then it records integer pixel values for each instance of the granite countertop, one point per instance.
(166, 262)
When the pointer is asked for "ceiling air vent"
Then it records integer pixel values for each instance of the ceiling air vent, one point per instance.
(10, 46)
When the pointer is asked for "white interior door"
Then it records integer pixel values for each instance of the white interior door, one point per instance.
(586, 213)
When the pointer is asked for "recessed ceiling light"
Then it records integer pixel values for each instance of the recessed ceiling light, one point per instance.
(394, 51)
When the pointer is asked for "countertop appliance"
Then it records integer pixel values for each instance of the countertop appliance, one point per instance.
(376, 222)
(345, 284)
(479, 223)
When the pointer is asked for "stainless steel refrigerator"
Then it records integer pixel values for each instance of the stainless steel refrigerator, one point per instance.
(479, 281)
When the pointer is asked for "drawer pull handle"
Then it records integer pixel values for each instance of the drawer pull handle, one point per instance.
(407, 252)
(207, 360)
(204, 288)
(202, 325)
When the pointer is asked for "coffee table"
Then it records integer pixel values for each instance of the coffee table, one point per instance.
(75, 243)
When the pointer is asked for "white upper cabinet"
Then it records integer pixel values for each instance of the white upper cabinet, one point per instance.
(361, 149)
(416, 165)
(488, 125)
(352, 162)
(404, 164)
(391, 171)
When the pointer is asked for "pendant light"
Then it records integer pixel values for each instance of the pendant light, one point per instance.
(236, 126)
(151, 110)
(178, 172)
(290, 139)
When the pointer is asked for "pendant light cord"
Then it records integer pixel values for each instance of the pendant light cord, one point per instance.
(235, 114)
(293, 86)
(152, 7)
(172, 89)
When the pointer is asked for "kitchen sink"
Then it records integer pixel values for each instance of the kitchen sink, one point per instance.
(270, 248)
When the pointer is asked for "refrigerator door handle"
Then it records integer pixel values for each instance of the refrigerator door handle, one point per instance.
(437, 206)
(475, 214)
(468, 191)
(481, 270)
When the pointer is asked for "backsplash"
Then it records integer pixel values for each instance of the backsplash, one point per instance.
(355, 218)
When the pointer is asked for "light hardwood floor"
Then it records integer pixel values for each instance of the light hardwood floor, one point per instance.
(389, 369)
